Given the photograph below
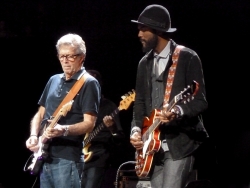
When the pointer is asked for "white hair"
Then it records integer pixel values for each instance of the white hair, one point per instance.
(74, 40)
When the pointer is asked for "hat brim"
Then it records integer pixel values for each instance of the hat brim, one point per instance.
(170, 30)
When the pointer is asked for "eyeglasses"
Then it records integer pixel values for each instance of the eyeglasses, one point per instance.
(68, 57)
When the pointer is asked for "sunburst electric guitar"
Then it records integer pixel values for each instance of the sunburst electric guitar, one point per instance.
(41, 155)
(124, 104)
(151, 134)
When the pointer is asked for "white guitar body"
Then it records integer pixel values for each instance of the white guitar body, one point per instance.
(38, 158)
(42, 155)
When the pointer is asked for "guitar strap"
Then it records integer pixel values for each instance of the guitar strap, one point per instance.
(171, 73)
(73, 91)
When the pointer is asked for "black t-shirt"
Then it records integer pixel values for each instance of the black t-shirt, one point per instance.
(86, 100)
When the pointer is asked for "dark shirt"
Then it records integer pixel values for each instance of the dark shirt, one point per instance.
(86, 100)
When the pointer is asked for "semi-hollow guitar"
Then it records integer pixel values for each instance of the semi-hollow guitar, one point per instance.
(151, 133)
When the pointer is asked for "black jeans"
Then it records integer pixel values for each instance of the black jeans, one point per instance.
(92, 177)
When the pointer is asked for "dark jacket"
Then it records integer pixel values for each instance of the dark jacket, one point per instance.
(183, 135)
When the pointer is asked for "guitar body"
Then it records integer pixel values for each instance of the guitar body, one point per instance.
(39, 157)
(42, 155)
(86, 144)
(151, 133)
(87, 154)
(144, 157)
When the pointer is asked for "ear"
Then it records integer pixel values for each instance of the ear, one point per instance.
(83, 58)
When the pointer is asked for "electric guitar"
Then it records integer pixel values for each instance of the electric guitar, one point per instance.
(42, 154)
(151, 134)
(124, 104)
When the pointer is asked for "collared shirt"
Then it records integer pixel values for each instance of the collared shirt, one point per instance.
(162, 58)
(158, 90)
(87, 100)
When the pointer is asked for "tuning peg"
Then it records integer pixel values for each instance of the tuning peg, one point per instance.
(129, 92)
(123, 97)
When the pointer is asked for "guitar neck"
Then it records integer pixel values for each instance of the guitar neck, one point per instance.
(157, 122)
(99, 128)
(51, 125)
(54, 121)
(171, 104)
(150, 129)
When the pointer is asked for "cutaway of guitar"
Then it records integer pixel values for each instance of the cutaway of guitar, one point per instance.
(152, 144)
(151, 133)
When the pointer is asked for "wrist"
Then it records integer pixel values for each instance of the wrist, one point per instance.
(33, 135)
(66, 130)
(135, 130)
(176, 110)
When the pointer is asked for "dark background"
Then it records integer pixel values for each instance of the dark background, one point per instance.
(216, 30)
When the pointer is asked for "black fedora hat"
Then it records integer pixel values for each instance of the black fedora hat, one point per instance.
(156, 17)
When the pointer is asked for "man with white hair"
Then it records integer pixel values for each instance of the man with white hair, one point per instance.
(59, 166)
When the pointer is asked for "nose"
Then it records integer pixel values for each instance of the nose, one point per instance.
(140, 34)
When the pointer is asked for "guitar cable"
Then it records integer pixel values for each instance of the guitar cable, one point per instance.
(117, 174)
(34, 183)
(25, 166)
(26, 169)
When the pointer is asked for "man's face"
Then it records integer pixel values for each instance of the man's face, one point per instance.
(147, 37)
(70, 60)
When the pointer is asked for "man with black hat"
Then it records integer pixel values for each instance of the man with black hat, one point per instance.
(167, 126)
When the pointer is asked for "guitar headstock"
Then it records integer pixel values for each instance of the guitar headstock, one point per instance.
(65, 108)
(127, 100)
(188, 93)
